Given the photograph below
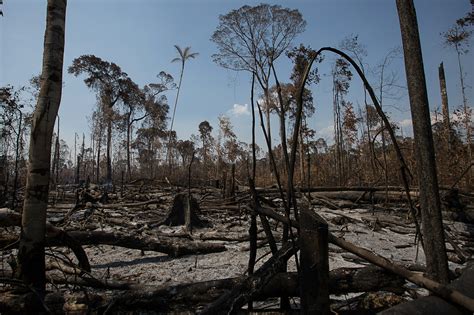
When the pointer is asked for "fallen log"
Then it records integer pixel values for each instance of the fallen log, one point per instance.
(372, 196)
(8, 218)
(435, 305)
(130, 205)
(416, 278)
(341, 281)
(54, 303)
(242, 293)
(192, 296)
(173, 246)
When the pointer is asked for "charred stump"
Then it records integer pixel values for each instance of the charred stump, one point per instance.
(185, 211)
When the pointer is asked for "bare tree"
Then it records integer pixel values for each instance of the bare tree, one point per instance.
(387, 83)
(253, 38)
(341, 81)
(433, 232)
(458, 38)
(31, 259)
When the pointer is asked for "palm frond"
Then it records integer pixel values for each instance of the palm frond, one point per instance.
(193, 55)
(186, 51)
(184, 54)
(180, 51)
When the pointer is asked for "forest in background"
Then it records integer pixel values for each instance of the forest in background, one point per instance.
(135, 131)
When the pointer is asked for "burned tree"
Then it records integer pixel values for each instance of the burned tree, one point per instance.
(109, 81)
(458, 37)
(433, 232)
(253, 38)
(31, 257)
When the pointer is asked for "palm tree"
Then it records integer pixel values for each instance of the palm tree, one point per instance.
(184, 55)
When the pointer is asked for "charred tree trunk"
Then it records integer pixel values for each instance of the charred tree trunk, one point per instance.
(434, 245)
(78, 165)
(314, 272)
(467, 115)
(109, 147)
(33, 226)
(17, 157)
(129, 132)
(444, 99)
(99, 144)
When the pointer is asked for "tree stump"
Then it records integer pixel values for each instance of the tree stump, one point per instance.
(185, 211)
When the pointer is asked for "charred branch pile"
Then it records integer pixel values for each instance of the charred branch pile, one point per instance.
(145, 221)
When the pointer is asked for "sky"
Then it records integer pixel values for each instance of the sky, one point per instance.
(139, 36)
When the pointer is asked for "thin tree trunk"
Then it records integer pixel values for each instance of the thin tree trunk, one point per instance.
(109, 148)
(444, 98)
(17, 155)
(31, 257)
(58, 148)
(83, 156)
(129, 127)
(301, 147)
(269, 129)
(99, 145)
(467, 116)
(384, 144)
(168, 154)
(53, 167)
(433, 233)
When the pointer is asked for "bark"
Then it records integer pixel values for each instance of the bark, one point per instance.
(99, 144)
(169, 245)
(367, 196)
(173, 246)
(444, 99)
(314, 268)
(33, 227)
(430, 205)
(183, 204)
(129, 134)
(301, 156)
(17, 157)
(109, 147)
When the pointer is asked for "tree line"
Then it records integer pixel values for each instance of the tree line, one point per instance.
(132, 137)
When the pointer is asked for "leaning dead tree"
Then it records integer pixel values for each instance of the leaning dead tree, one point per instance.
(31, 257)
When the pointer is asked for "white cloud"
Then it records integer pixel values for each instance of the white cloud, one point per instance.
(239, 110)
(327, 133)
(405, 123)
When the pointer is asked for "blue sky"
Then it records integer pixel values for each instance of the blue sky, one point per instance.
(139, 36)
